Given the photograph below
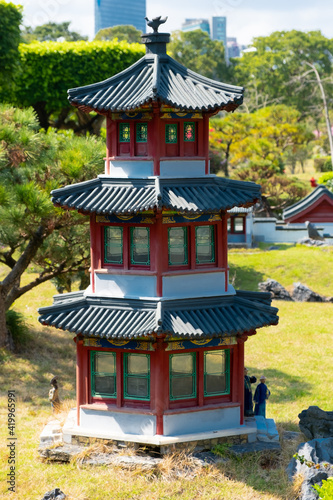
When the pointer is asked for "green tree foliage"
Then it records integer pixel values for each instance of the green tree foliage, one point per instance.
(123, 32)
(51, 32)
(49, 69)
(33, 232)
(276, 72)
(278, 190)
(262, 137)
(10, 20)
(195, 50)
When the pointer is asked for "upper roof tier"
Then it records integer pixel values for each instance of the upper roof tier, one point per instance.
(157, 78)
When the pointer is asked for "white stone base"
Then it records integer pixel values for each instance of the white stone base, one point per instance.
(72, 429)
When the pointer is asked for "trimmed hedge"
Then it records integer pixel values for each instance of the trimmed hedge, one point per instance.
(49, 69)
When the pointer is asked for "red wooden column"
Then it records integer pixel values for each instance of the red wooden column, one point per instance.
(154, 131)
(159, 384)
(206, 142)
(159, 251)
(224, 236)
(79, 376)
(95, 248)
(240, 370)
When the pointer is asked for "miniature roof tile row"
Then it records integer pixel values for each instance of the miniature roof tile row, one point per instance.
(105, 195)
(195, 318)
(157, 78)
(306, 202)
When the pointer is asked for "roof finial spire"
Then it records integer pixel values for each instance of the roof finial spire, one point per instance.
(156, 22)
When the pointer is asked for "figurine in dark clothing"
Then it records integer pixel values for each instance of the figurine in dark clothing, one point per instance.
(262, 393)
(248, 403)
(54, 395)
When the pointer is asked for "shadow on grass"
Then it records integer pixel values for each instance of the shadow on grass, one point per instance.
(284, 387)
(47, 353)
(245, 278)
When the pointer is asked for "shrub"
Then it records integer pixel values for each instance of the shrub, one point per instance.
(19, 331)
(326, 489)
(323, 164)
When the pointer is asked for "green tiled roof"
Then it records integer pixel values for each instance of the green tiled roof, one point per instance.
(184, 318)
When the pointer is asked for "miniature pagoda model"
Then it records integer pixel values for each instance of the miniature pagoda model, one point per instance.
(160, 331)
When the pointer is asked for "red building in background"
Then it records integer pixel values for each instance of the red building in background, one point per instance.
(160, 332)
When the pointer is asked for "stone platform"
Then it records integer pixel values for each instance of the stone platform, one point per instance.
(252, 436)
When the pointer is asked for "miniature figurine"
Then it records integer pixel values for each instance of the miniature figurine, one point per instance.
(248, 403)
(54, 395)
(261, 394)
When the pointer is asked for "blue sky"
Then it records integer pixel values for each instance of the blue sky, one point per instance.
(245, 18)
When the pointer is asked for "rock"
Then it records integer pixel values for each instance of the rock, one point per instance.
(302, 293)
(276, 290)
(313, 232)
(55, 494)
(291, 435)
(243, 449)
(312, 243)
(317, 458)
(316, 423)
(61, 453)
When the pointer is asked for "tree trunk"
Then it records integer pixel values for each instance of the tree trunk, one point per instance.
(43, 116)
(5, 336)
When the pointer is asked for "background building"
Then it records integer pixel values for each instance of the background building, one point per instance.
(196, 24)
(219, 29)
(108, 13)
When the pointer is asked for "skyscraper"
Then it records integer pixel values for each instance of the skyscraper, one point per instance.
(112, 13)
(219, 29)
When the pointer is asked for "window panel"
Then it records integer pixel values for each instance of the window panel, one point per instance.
(239, 224)
(189, 132)
(103, 374)
(182, 376)
(137, 376)
(113, 245)
(177, 246)
(140, 252)
(141, 132)
(217, 372)
(124, 132)
(205, 244)
(171, 136)
(229, 225)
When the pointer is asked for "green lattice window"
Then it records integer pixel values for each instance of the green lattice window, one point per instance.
(113, 245)
(124, 132)
(140, 251)
(216, 373)
(205, 244)
(183, 376)
(189, 132)
(137, 376)
(141, 132)
(171, 133)
(177, 246)
(103, 374)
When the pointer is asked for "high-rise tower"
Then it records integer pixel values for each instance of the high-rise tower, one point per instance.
(113, 12)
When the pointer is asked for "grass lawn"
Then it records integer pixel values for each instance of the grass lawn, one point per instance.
(296, 357)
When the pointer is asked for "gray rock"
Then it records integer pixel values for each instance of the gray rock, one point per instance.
(313, 232)
(318, 452)
(312, 243)
(55, 494)
(61, 453)
(276, 290)
(302, 293)
(316, 423)
(291, 435)
(243, 449)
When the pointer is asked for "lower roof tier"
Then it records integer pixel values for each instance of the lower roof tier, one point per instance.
(108, 318)
(106, 195)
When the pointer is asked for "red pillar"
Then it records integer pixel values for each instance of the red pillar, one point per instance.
(79, 378)
(159, 384)
(240, 370)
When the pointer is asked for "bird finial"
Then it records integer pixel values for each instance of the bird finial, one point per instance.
(156, 22)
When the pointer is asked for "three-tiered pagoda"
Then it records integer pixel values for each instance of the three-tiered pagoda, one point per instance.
(160, 331)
